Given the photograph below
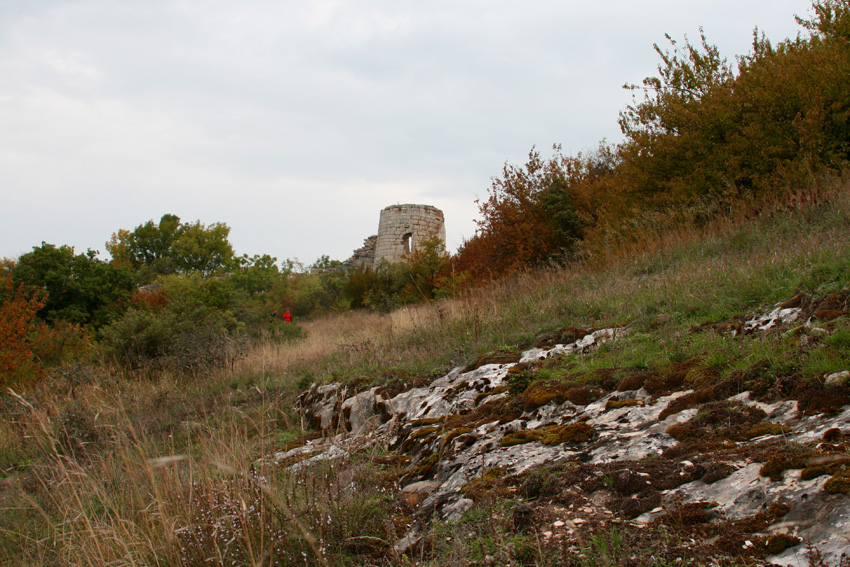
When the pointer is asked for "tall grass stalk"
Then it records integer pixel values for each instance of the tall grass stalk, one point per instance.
(167, 470)
(672, 270)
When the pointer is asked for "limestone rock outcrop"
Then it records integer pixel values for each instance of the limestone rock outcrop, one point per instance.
(641, 451)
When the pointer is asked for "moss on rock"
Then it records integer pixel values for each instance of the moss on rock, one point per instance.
(839, 483)
(579, 432)
(615, 404)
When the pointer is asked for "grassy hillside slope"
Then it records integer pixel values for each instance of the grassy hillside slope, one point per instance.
(99, 467)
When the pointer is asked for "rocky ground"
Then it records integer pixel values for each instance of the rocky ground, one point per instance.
(682, 464)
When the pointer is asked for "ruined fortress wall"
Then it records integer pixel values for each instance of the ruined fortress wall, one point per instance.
(403, 227)
(363, 256)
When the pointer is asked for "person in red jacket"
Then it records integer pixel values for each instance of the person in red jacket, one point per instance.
(287, 316)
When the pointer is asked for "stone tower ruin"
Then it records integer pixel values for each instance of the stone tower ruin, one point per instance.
(403, 227)
(400, 230)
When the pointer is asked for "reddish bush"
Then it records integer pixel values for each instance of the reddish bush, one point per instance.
(59, 342)
(150, 298)
(19, 305)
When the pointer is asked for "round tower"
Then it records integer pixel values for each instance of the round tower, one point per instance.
(403, 227)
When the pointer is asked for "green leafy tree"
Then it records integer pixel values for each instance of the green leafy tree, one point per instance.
(172, 247)
(308, 291)
(557, 202)
(324, 263)
(831, 21)
(423, 270)
(685, 76)
(210, 293)
(378, 288)
(677, 135)
(147, 248)
(203, 249)
(322, 289)
(359, 284)
(257, 274)
(81, 289)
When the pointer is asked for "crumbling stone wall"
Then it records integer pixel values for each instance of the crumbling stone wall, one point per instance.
(403, 227)
(363, 256)
(400, 230)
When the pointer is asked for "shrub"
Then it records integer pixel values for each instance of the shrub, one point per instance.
(705, 132)
(17, 324)
(60, 342)
(139, 338)
(537, 212)
(183, 322)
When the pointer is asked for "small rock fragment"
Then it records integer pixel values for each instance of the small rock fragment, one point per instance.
(837, 378)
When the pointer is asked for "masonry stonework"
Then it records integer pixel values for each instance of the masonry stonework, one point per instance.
(401, 229)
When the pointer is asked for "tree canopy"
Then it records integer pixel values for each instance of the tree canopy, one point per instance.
(700, 136)
(79, 288)
(172, 247)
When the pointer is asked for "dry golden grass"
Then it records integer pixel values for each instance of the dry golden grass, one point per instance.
(653, 260)
(408, 333)
(124, 497)
(166, 453)
(325, 336)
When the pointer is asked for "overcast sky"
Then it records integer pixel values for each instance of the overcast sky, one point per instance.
(296, 122)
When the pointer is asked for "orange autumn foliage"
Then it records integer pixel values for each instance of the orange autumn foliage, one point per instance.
(537, 213)
(60, 341)
(18, 309)
(150, 299)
